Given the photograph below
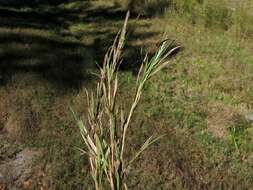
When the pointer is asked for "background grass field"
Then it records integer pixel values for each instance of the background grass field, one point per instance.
(199, 102)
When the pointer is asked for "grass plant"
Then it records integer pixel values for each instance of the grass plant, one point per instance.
(105, 133)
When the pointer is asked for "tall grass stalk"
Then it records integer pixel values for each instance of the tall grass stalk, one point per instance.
(105, 131)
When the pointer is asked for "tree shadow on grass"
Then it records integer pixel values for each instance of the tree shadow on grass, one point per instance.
(29, 3)
(31, 42)
(55, 18)
(58, 61)
(40, 42)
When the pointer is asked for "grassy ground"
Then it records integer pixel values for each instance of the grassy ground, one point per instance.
(199, 102)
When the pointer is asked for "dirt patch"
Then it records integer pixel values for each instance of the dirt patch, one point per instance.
(220, 116)
(21, 171)
(3, 113)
